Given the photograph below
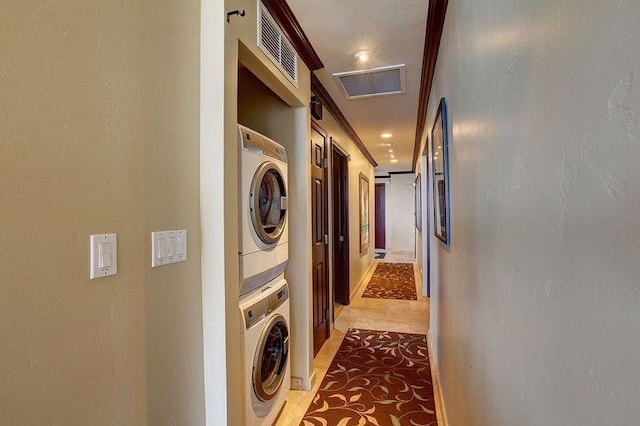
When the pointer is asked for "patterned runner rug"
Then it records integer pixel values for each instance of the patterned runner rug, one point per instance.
(392, 281)
(376, 378)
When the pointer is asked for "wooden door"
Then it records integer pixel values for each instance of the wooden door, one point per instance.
(320, 238)
(340, 186)
(381, 242)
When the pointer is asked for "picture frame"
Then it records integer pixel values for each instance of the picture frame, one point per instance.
(418, 209)
(440, 175)
(364, 214)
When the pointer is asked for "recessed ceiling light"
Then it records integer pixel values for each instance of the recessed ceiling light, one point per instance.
(386, 135)
(362, 55)
(390, 150)
(394, 161)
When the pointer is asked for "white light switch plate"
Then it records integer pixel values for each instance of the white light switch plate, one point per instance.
(104, 255)
(168, 247)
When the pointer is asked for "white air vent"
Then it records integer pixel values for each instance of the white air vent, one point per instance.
(277, 47)
(373, 82)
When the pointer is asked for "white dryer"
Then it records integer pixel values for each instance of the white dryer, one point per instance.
(265, 336)
(264, 248)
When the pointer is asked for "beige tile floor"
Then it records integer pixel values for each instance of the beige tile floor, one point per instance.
(409, 316)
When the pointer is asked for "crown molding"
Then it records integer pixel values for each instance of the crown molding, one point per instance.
(284, 16)
(435, 22)
(318, 89)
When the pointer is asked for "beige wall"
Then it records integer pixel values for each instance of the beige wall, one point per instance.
(358, 163)
(536, 305)
(99, 133)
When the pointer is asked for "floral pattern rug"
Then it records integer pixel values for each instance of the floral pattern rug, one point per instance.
(376, 378)
(392, 281)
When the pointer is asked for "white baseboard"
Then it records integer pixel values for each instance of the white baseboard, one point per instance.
(437, 386)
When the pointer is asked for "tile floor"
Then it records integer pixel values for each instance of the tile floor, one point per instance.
(409, 316)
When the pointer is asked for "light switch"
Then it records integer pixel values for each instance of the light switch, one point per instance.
(172, 246)
(180, 248)
(104, 255)
(162, 248)
(168, 247)
(105, 252)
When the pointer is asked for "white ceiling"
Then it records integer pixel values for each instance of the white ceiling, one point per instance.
(394, 32)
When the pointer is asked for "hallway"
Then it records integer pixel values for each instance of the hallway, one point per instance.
(409, 316)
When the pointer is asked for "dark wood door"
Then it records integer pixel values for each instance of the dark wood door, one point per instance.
(320, 238)
(381, 239)
(340, 186)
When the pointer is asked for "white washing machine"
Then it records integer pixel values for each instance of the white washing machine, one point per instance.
(265, 336)
(264, 248)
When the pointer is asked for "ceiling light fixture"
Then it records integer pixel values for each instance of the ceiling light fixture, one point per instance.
(390, 150)
(386, 135)
(362, 55)
(394, 161)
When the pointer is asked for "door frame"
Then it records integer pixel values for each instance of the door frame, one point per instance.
(426, 222)
(342, 291)
(375, 217)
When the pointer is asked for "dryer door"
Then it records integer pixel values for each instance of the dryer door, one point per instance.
(269, 364)
(268, 203)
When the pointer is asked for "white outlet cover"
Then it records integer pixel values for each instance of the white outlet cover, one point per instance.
(103, 255)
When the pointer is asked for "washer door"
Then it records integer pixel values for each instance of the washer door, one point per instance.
(268, 203)
(271, 358)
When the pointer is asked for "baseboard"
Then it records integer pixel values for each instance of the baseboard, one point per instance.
(437, 386)
(298, 383)
(363, 280)
(419, 277)
(401, 252)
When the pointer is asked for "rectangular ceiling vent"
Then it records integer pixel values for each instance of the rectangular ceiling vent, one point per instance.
(373, 82)
(276, 46)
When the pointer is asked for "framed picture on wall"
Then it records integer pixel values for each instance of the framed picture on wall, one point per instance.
(364, 214)
(440, 174)
(418, 209)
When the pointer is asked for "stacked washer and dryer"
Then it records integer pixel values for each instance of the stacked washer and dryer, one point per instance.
(264, 293)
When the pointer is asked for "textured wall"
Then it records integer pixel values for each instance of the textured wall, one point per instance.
(98, 133)
(537, 307)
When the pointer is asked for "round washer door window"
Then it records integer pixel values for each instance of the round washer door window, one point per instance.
(268, 203)
(271, 359)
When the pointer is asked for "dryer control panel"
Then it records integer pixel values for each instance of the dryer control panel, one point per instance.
(258, 311)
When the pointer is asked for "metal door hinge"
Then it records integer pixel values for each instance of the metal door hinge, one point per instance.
(325, 163)
(326, 238)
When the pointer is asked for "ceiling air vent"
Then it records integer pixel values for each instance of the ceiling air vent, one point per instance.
(373, 82)
(276, 46)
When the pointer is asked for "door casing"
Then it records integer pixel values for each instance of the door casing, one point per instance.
(340, 209)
